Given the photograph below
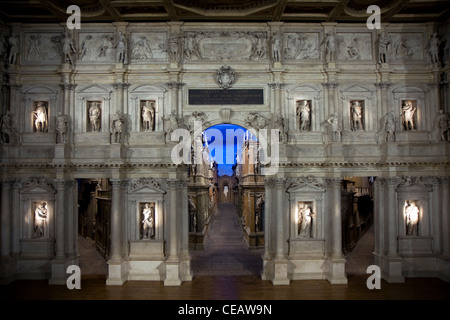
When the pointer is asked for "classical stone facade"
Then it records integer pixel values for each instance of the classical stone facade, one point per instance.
(346, 105)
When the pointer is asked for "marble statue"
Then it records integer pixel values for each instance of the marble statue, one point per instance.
(304, 220)
(106, 45)
(433, 48)
(40, 219)
(333, 121)
(172, 123)
(14, 49)
(148, 223)
(61, 128)
(148, 115)
(259, 47)
(408, 110)
(118, 126)
(68, 48)
(191, 46)
(383, 46)
(173, 48)
(6, 129)
(86, 51)
(304, 114)
(276, 47)
(356, 115)
(443, 125)
(412, 218)
(40, 117)
(389, 123)
(301, 46)
(121, 48)
(94, 115)
(279, 124)
(329, 47)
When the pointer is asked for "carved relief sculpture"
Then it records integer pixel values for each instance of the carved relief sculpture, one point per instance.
(383, 46)
(40, 219)
(68, 48)
(333, 122)
(389, 124)
(411, 212)
(121, 48)
(305, 216)
(304, 115)
(356, 112)
(225, 77)
(61, 128)
(148, 115)
(433, 48)
(118, 126)
(40, 116)
(173, 48)
(6, 129)
(148, 222)
(94, 115)
(14, 49)
(408, 111)
(276, 47)
(301, 46)
(329, 47)
(443, 125)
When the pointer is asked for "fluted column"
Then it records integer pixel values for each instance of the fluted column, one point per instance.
(16, 185)
(392, 216)
(172, 220)
(336, 219)
(116, 221)
(379, 214)
(446, 217)
(5, 219)
(280, 252)
(60, 205)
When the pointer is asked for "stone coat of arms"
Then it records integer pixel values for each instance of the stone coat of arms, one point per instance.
(225, 77)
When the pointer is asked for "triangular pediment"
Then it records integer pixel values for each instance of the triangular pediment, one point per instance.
(38, 186)
(305, 185)
(39, 90)
(94, 88)
(356, 88)
(146, 185)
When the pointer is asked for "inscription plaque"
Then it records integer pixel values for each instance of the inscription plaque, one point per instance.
(230, 96)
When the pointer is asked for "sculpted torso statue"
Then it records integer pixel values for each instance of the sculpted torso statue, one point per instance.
(305, 218)
(148, 224)
(303, 113)
(94, 116)
(40, 219)
(408, 111)
(40, 121)
(148, 116)
(356, 116)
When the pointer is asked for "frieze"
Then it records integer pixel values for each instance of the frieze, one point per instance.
(301, 46)
(225, 45)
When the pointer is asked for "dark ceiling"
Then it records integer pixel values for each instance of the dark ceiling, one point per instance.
(223, 10)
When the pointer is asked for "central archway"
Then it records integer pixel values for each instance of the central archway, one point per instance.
(227, 236)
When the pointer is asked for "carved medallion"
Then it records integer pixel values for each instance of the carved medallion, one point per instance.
(225, 77)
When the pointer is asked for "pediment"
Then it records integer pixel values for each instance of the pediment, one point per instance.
(356, 88)
(38, 186)
(146, 88)
(145, 186)
(408, 89)
(303, 88)
(94, 88)
(39, 90)
(305, 185)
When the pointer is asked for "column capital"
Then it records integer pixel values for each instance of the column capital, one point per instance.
(275, 182)
(175, 85)
(330, 85)
(382, 85)
(333, 182)
(115, 183)
(60, 184)
(276, 85)
(16, 183)
(392, 181)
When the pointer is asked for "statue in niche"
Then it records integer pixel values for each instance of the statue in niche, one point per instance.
(408, 111)
(40, 117)
(389, 123)
(443, 125)
(333, 122)
(14, 49)
(433, 48)
(68, 48)
(304, 115)
(305, 216)
(148, 115)
(121, 48)
(94, 115)
(276, 47)
(118, 126)
(6, 128)
(411, 217)
(356, 115)
(61, 128)
(383, 46)
(329, 47)
(40, 219)
(148, 223)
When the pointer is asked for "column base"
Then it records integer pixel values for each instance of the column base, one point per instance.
(172, 274)
(7, 269)
(275, 271)
(116, 273)
(336, 271)
(58, 272)
(391, 268)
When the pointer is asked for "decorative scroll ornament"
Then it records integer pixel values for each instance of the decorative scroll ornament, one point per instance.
(225, 77)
